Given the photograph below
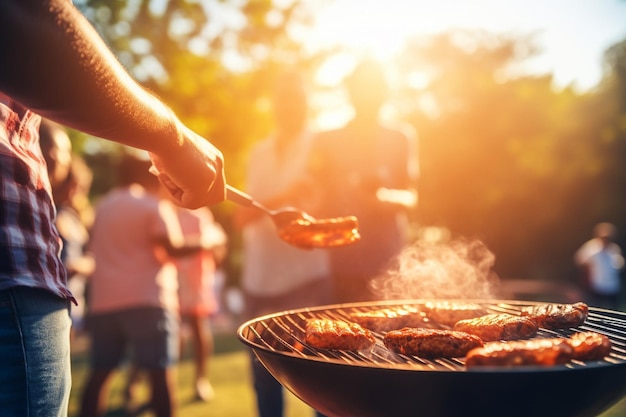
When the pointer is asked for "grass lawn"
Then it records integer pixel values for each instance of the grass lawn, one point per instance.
(229, 374)
(230, 377)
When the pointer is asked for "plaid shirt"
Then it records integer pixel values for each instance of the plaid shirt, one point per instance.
(29, 242)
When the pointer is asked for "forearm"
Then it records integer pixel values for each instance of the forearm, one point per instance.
(178, 251)
(55, 63)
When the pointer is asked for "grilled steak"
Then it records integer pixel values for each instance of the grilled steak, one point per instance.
(337, 335)
(431, 343)
(448, 313)
(385, 319)
(321, 233)
(494, 327)
(557, 316)
(543, 352)
(590, 346)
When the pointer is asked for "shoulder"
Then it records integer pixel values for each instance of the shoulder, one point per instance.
(327, 138)
(589, 248)
(400, 131)
(615, 248)
(263, 146)
(329, 135)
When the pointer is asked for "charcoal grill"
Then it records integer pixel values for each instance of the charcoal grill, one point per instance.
(380, 383)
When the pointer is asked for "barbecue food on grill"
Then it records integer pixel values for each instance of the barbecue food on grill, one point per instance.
(542, 352)
(321, 233)
(590, 346)
(492, 327)
(448, 313)
(431, 343)
(557, 316)
(385, 319)
(337, 335)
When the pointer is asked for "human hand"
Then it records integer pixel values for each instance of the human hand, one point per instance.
(194, 175)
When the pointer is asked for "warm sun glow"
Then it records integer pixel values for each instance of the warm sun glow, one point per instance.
(380, 28)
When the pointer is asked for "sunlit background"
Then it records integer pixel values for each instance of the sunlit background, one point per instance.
(573, 34)
(519, 105)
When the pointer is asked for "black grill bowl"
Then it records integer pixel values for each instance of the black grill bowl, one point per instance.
(378, 383)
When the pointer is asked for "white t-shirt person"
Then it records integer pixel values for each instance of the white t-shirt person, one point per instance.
(603, 261)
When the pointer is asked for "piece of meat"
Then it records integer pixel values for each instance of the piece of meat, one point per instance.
(448, 313)
(492, 327)
(590, 346)
(431, 343)
(557, 316)
(321, 233)
(541, 352)
(337, 335)
(386, 319)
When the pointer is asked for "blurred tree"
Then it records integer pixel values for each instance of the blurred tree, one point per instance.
(607, 116)
(505, 157)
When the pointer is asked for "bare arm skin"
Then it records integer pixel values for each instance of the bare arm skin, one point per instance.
(54, 62)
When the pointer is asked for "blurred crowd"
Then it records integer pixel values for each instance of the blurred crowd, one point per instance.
(140, 268)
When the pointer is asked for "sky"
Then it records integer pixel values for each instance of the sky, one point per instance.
(573, 34)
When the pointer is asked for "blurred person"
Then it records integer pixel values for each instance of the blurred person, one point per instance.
(196, 289)
(196, 274)
(133, 297)
(277, 276)
(74, 217)
(367, 169)
(54, 64)
(71, 180)
(56, 149)
(601, 263)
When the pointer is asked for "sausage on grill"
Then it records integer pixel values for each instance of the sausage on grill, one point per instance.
(448, 313)
(431, 343)
(590, 346)
(557, 316)
(386, 319)
(337, 335)
(542, 352)
(494, 327)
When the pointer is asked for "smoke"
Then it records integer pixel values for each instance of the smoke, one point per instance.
(457, 269)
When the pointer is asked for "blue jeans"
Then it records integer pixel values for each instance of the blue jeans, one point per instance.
(35, 377)
(152, 334)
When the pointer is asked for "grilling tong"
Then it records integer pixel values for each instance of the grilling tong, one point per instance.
(301, 229)
(281, 217)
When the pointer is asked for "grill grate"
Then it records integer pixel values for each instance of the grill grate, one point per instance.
(283, 333)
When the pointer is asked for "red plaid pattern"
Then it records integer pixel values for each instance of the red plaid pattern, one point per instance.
(29, 242)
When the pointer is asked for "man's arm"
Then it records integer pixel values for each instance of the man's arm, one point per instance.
(53, 61)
